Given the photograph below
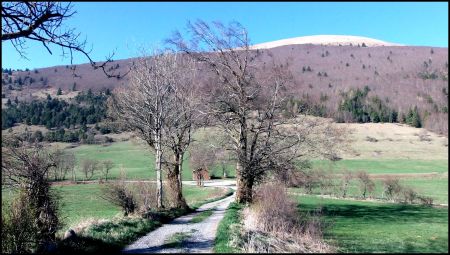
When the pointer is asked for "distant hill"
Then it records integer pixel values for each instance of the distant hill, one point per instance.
(402, 76)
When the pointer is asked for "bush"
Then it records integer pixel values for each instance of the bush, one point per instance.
(273, 224)
(408, 195)
(316, 178)
(273, 209)
(366, 186)
(19, 233)
(424, 200)
(392, 188)
(119, 194)
(32, 183)
(347, 176)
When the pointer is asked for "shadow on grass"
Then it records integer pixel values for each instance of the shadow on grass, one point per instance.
(381, 213)
(375, 227)
(87, 245)
(111, 237)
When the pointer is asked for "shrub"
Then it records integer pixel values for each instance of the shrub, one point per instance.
(424, 136)
(273, 224)
(19, 233)
(424, 200)
(119, 194)
(408, 195)
(347, 176)
(366, 184)
(145, 196)
(33, 183)
(392, 188)
(273, 209)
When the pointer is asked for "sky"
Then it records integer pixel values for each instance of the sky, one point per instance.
(123, 27)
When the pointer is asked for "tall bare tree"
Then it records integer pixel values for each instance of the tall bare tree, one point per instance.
(65, 162)
(42, 22)
(107, 166)
(246, 103)
(89, 167)
(159, 104)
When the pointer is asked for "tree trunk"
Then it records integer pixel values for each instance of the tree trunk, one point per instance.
(173, 176)
(158, 166)
(244, 187)
(180, 172)
(177, 195)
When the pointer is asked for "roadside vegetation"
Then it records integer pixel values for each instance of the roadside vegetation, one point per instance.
(228, 229)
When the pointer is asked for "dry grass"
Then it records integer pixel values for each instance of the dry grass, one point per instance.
(273, 224)
(66, 94)
(395, 141)
(20, 128)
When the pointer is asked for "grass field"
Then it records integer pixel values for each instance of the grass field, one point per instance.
(436, 188)
(82, 202)
(136, 159)
(385, 166)
(359, 227)
(397, 150)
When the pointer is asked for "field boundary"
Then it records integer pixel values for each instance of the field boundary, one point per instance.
(373, 200)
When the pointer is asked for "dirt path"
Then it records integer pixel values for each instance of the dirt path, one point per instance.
(195, 237)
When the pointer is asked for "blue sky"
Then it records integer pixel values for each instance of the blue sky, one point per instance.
(123, 27)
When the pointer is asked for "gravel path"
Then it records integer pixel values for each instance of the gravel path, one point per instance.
(201, 235)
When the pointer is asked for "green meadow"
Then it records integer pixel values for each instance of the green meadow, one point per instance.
(385, 166)
(366, 227)
(83, 202)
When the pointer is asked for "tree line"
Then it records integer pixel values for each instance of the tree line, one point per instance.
(86, 108)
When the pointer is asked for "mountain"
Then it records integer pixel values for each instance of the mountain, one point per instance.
(401, 76)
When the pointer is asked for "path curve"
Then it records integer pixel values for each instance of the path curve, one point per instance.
(202, 234)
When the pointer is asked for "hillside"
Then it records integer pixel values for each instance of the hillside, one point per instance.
(401, 76)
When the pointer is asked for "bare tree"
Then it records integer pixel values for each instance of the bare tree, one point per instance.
(159, 104)
(65, 162)
(107, 166)
(25, 167)
(208, 151)
(247, 103)
(42, 22)
(70, 162)
(202, 156)
(88, 168)
(347, 176)
(392, 188)
(366, 184)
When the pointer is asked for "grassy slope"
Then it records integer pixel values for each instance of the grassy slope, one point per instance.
(398, 150)
(375, 227)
